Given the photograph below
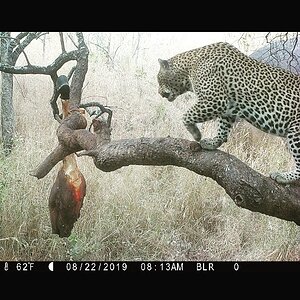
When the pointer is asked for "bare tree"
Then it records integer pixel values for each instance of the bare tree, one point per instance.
(281, 50)
(80, 55)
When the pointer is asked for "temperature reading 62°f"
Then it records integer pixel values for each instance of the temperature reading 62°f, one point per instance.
(25, 266)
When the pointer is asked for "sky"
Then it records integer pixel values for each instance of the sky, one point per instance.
(152, 45)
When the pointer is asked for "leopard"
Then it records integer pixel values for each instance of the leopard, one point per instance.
(229, 86)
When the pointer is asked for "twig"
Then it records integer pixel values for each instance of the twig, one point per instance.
(103, 109)
(62, 43)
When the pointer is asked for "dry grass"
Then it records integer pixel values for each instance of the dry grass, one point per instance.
(135, 213)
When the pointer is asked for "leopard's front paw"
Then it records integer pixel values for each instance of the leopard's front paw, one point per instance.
(285, 177)
(210, 144)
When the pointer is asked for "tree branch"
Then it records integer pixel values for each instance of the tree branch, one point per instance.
(22, 45)
(72, 137)
(80, 71)
(62, 42)
(248, 188)
(16, 47)
(46, 70)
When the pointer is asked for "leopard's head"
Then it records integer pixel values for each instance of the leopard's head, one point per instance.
(172, 81)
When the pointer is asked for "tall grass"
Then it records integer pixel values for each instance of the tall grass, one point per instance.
(136, 212)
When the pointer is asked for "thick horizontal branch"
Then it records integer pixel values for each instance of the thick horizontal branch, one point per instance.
(248, 188)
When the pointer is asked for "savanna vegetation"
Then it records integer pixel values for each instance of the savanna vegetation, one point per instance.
(136, 212)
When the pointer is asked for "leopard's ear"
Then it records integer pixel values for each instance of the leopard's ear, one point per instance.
(164, 64)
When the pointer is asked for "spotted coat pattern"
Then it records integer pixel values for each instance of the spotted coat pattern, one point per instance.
(231, 85)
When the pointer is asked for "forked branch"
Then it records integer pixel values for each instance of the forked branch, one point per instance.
(80, 55)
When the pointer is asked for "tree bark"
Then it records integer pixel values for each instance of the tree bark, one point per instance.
(7, 113)
(248, 188)
(7, 109)
(80, 71)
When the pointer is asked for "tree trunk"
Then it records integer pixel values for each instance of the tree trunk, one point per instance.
(7, 112)
(7, 109)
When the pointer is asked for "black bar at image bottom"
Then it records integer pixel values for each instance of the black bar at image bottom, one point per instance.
(147, 266)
